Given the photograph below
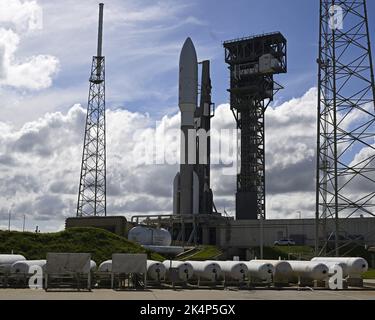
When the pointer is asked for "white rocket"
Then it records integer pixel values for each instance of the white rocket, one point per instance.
(191, 187)
(186, 182)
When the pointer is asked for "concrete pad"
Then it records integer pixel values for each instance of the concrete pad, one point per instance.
(189, 294)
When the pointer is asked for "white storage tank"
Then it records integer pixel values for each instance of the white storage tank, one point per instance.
(23, 266)
(6, 261)
(150, 236)
(260, 270)
(185, 269)
(156, 270)
(233, 270)
(206, 270)
(311, 270)
(105, 266)
(282, 270)
(331, 265)
(355, 265)
(92, 265)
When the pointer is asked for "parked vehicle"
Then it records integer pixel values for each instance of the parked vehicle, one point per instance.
(284, 242)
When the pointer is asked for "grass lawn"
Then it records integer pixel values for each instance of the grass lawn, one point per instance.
(205, 253)
(100, 243)
(370, 274)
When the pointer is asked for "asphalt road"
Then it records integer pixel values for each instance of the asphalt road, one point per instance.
(192, 294)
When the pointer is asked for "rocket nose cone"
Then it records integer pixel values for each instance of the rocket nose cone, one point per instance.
(188, 45)
(188, 80)
(188, 53)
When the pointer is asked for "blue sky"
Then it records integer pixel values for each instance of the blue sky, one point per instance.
(142, 43)
(296, 19)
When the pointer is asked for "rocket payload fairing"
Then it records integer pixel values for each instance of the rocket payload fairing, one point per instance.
(191, 186)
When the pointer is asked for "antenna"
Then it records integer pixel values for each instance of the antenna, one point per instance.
(345, 126)
(100, 30)
(92, 186)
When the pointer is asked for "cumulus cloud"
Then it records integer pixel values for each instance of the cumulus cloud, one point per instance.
(21, 15)
(34, 72)
(40, 162)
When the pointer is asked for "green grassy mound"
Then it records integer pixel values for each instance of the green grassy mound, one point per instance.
(203, 253)
(100, 243)
(370, 274)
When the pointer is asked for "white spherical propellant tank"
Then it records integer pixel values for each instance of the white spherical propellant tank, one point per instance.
(23, 267)
(355, 265)
(156, 270)
(105, 266)
(185, 269)
(260, 270)
(311, 270)
(150, 236)
(234, 270)
(206, 270)
(283, 271)
(6, 261)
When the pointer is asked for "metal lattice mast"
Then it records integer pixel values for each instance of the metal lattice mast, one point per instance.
(92, 186)
(253, 62)
(346, 146)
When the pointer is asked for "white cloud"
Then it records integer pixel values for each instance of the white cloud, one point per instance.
(40, 163)
(150, 35)
(21, 15)
(34, 72)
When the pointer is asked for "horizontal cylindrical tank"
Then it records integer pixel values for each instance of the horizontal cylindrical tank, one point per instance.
(234, 270)
(355, 265)
(206, 270)
(23, 266)
(156, 270)
(185, 270)
(105, 266)
(6, 261)
(311, 270)
(150, 236)
(331, 265)
(282, 270)
(92, 265)
(260, 270)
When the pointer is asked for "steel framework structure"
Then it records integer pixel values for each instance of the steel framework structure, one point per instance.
(345, 181)
(252, 88)
(92, 186)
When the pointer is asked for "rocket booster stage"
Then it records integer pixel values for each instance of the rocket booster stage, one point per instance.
(187, 189)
